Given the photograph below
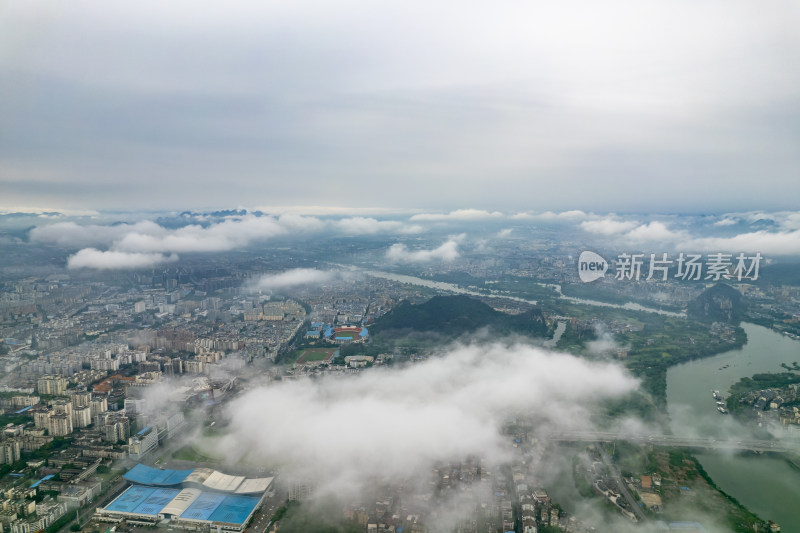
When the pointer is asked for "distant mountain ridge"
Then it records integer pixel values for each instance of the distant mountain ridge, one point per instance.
(453, 316)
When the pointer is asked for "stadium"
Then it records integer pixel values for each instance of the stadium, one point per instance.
(200, 499)
(346, 334)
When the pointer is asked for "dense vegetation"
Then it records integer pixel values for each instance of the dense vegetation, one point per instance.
(296, 517)
(759, 382)
(720, 303)
(450, 317)
(765, 381)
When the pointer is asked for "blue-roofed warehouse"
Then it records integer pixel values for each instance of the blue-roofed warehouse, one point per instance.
(198, 499)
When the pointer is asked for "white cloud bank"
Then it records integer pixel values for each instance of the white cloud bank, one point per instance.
(294, 278)
(780, 242)
(460, 215)
(608, 226)
(99, 260)
(399, 253)
(153, 240)
(546, 216)
(766, 242)
(389, 425)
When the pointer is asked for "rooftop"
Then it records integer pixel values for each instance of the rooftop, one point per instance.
(146, 475)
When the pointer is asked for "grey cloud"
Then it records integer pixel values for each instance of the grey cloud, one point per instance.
(511, 108)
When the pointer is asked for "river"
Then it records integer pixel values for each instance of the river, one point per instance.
(766, 485)
(450, 287)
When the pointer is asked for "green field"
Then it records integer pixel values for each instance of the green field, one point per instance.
(190, 453)
(311, 355)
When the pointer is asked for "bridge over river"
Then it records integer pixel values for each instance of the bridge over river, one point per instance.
(753, 445)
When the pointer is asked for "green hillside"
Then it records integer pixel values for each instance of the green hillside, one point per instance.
(720, 303)
(453, 316)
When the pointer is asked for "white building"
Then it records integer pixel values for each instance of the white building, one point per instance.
(82, 416)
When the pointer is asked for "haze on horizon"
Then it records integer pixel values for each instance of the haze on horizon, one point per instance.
(620, 106)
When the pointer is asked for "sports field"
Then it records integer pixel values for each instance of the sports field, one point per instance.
(311, 355)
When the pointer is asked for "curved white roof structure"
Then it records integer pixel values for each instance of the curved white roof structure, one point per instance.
(198, 475)
(223, 482)
(254, 485)
(181, 502)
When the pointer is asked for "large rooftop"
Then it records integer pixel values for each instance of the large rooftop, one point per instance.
(186, 504)
(146, 475)
(143, 500)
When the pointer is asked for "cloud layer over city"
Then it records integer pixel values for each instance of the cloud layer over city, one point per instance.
(410, 238)
(388, 425)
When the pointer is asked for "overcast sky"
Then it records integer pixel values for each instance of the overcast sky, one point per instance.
(678, 106)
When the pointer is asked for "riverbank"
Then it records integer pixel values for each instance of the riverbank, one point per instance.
(765, 485)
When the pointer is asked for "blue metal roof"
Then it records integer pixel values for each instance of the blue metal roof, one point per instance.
(235, 509)
(150, 500)
(143, 500)
(146, 475)
(45, 478)
(209, 506)
(142, 431)
(203, 506)
(215, 507)
(23, 409)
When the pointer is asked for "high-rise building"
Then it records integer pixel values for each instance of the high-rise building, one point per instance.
(53, 385)
(134, 406)
(81, 398)
(115, 427)
(62, 407)
(9, 451)
(41, 416)
(82, 416)
(99, 405)
(60, 424)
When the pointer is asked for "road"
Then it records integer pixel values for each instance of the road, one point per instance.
(85, 513)
(753, 445)
(263, 517)
(623, 488)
